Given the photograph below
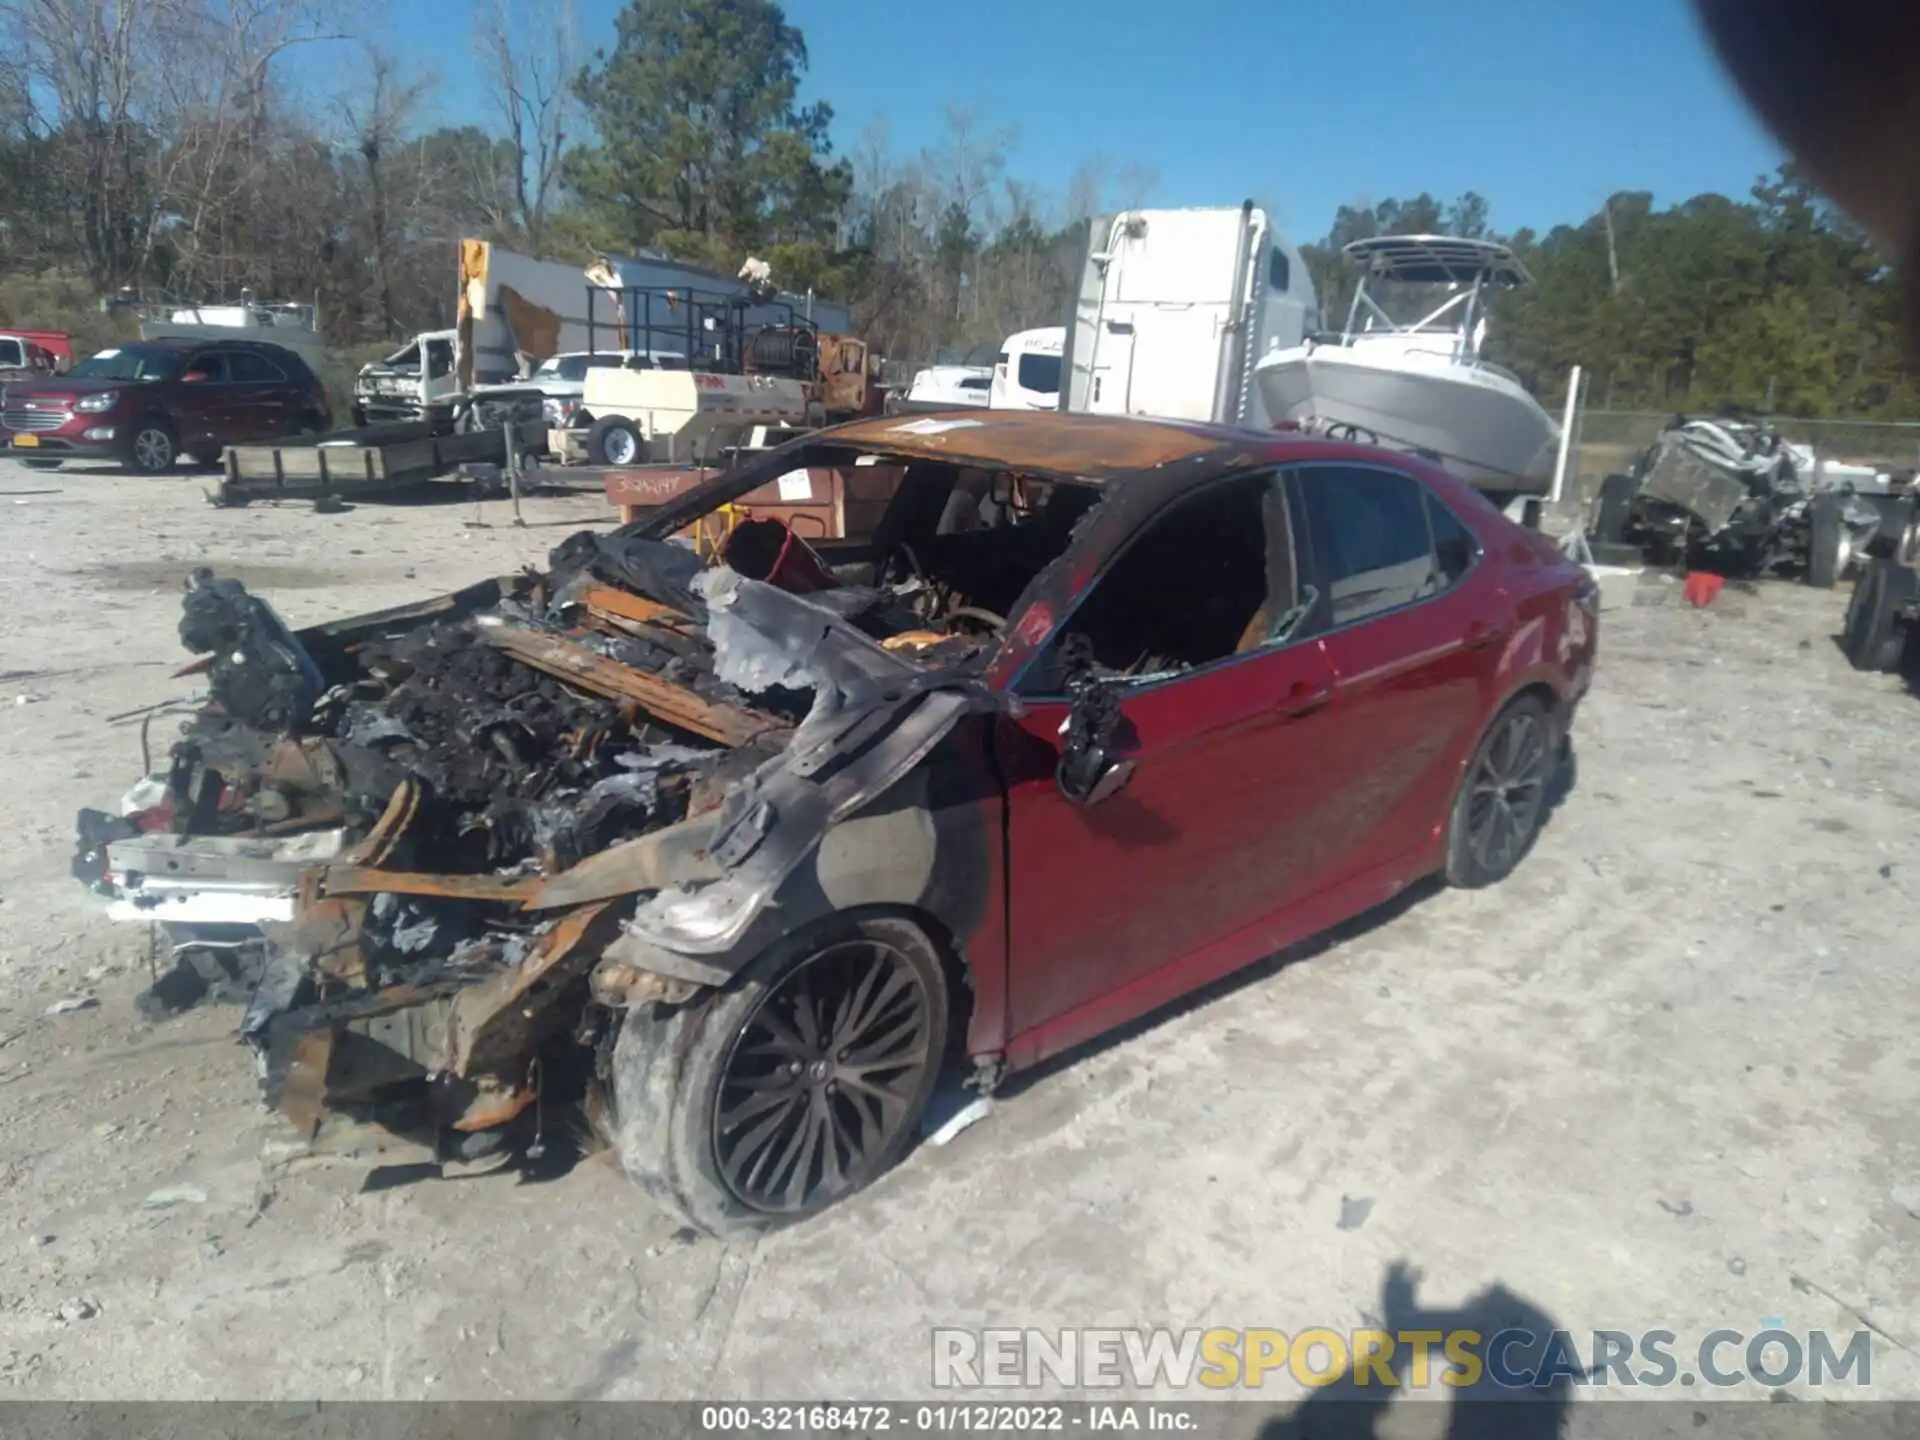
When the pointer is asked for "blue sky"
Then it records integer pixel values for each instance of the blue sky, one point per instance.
(1544, 108)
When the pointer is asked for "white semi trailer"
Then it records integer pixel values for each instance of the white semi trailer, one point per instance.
(1174, 308)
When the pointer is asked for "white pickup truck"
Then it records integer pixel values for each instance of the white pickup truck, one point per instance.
(408, 383)
(422, 375)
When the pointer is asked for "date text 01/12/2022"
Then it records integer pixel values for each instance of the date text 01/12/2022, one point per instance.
(879, 1418)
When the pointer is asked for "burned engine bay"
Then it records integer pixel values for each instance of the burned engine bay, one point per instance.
(450, 841)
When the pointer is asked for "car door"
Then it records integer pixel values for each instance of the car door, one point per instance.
(1414, 625)
(204, 401)
(261, 396)
(1214, 830)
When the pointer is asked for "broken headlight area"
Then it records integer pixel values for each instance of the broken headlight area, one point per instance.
(411, 841)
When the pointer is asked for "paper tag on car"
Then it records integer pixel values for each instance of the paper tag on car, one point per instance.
(796, 485)
(933, 427)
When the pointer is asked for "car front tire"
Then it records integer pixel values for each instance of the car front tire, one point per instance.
(763, 1103)
(1503, 795)
(152, 447)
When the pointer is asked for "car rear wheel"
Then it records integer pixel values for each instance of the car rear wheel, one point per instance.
(1874, 635)
(1614, 508)
(1829, 547)
(152, 448)
(804, 1081)
(1503, 798)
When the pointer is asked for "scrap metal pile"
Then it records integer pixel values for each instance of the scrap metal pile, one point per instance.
(408, 838)
(1734, 495)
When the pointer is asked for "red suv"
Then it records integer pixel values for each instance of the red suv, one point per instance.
(146, 404)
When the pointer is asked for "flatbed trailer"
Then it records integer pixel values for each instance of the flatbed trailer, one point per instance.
(364, 461)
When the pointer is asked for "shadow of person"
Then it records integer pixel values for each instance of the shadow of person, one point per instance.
(1520, 1389)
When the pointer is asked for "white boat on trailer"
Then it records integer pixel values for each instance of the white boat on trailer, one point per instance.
(1419, 382)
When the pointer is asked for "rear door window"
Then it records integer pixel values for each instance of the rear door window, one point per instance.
(1373, 539)
(250, 368)
(1454, 546)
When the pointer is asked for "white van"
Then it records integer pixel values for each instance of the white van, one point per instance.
(1026, 375)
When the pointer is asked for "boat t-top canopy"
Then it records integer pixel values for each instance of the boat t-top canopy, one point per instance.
(1437, 260)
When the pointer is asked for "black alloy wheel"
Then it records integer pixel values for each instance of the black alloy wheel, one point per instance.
(1508, 790)
(1504, 794)
(823, 1076)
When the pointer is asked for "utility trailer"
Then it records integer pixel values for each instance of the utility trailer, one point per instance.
(371, 459)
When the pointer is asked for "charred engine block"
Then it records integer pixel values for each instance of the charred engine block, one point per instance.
(260, 674)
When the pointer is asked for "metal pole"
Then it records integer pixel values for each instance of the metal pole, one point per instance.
(513, 469)
(1566, 437)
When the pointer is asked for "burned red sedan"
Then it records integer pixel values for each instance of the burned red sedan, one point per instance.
(755, 837)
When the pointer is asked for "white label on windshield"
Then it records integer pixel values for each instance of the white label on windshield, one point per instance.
(934, 427)
(796, 485)
(105, 354)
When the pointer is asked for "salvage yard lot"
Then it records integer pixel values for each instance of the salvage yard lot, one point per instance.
(1661, 1078)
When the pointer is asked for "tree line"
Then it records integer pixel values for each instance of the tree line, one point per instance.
(195, 148)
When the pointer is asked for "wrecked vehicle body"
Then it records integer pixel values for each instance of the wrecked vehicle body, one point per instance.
(1733, 495)
(759, 844)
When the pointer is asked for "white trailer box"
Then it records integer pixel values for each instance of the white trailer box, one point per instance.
(1175, 306)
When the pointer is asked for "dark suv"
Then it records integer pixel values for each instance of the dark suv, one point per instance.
(147, 403)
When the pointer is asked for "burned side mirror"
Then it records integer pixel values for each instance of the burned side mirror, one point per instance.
(1090, 770)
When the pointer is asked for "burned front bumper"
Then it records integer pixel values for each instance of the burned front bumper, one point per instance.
(176, 880)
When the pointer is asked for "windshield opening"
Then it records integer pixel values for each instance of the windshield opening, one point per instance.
(129, 364)
(1417, 307)
(1041, 373)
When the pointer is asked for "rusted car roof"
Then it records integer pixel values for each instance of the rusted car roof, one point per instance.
(1041, 440)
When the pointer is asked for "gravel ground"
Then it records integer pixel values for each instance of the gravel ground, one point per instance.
(1661, 1078)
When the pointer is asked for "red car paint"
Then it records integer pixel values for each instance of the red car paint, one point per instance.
(221, 404)
(1275, 795)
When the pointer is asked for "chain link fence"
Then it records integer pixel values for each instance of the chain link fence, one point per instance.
(1609, 438)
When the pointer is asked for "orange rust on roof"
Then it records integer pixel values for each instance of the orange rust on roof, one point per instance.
(1040, 440)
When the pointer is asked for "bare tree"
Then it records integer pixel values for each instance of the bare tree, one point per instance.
(214, 102)
(530, 53)
(77, 66)
(965, 167)
(377, 119)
